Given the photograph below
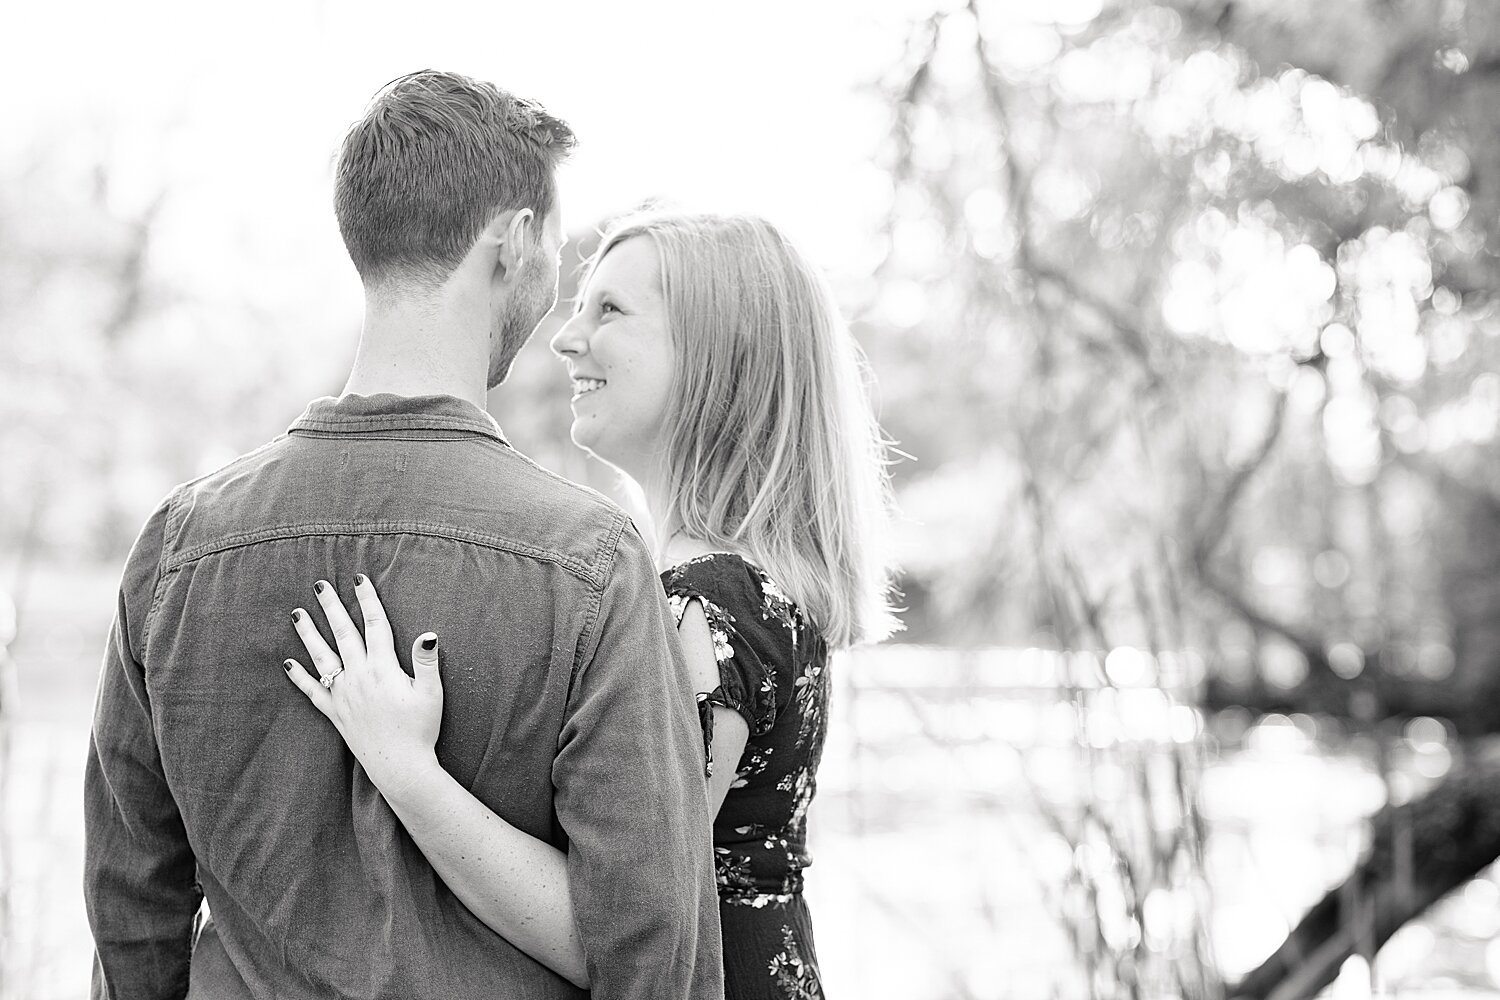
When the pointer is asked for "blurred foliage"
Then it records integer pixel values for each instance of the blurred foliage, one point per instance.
(1211, 286)
(120, 379)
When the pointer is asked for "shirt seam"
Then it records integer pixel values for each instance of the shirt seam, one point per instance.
(397, 420)
(395, 433)
(611, 539)
(246, 539)
(171, 525)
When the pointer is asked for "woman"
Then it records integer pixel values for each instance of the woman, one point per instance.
(710, 365)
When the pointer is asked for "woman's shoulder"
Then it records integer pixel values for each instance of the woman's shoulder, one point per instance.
(725, 575)
(733, 582)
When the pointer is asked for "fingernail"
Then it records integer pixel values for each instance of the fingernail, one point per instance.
(297, 616)
(287, 665)
(429, 643)
(319, 586)
(359, 579)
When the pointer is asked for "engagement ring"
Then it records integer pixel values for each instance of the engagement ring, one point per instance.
(327, 679)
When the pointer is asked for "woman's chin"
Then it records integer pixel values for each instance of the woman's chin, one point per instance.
(586, 436)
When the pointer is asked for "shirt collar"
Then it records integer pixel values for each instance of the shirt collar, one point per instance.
(388, 412)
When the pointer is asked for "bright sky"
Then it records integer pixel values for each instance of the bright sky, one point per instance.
(239, 108)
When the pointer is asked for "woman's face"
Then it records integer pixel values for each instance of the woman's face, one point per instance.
(620, 359)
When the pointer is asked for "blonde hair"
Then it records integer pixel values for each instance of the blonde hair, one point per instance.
(771, 446)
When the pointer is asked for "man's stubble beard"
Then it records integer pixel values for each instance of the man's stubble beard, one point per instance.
(527, 310)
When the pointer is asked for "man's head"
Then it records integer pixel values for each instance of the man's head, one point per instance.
(438, 162)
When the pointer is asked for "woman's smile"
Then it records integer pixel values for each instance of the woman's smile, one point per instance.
(583, 386)
(618, 339)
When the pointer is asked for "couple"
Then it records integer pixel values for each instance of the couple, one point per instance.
(593, 777)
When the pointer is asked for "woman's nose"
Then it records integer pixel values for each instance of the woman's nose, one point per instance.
(569, 340)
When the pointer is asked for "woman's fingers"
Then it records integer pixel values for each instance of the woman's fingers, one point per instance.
(320, 696)
(350, 645)
(377, 626)
(424, 662)
(323, 656)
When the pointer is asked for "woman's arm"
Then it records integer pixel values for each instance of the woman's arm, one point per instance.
(513, 882)
(516, 884)
(730, 729)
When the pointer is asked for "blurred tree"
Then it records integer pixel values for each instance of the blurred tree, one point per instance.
(1214, 284)
(120, 377)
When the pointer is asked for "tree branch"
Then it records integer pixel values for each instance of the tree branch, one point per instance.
(1214, 528)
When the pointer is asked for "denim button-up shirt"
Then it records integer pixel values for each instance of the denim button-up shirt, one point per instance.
(568, 711)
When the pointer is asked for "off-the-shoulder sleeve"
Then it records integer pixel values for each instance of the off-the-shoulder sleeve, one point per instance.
(747, 684)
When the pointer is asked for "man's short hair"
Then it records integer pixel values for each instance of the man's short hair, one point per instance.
(434, 159)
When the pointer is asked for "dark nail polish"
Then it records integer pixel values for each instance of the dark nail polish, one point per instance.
(359, 579)
(297, 616)
(287, 665)
(319, 586)
(430, 643)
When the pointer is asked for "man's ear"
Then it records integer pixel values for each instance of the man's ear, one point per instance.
(512, 233)
(500, 249)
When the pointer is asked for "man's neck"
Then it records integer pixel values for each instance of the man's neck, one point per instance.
(420, 349)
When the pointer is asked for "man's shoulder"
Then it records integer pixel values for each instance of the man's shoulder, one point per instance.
(229, 470)
(585, 501)
(574, 515)
(489, 494)
(184, 496)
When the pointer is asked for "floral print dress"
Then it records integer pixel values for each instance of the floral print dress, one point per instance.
(773, 670)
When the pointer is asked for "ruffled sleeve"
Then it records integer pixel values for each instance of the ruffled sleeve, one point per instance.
(747, 684)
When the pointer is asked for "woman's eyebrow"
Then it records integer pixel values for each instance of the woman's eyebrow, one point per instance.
(592, 290)
(610, 292)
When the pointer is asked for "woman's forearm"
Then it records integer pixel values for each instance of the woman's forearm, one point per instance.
(516, 884)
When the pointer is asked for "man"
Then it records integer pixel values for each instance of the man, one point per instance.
(568, 710)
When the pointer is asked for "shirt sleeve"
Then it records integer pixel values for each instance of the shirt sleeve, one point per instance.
(631, 798)
(747, 683)
(140, 887)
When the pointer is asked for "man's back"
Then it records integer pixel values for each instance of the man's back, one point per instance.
(567, 711)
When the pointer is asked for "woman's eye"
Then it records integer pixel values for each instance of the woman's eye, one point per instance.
(606, 307)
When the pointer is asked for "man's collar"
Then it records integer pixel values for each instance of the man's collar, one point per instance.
(388, 412)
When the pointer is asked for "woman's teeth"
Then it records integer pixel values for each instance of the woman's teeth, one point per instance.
(581, 386)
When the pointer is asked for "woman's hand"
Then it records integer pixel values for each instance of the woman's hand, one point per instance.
(389, 720)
